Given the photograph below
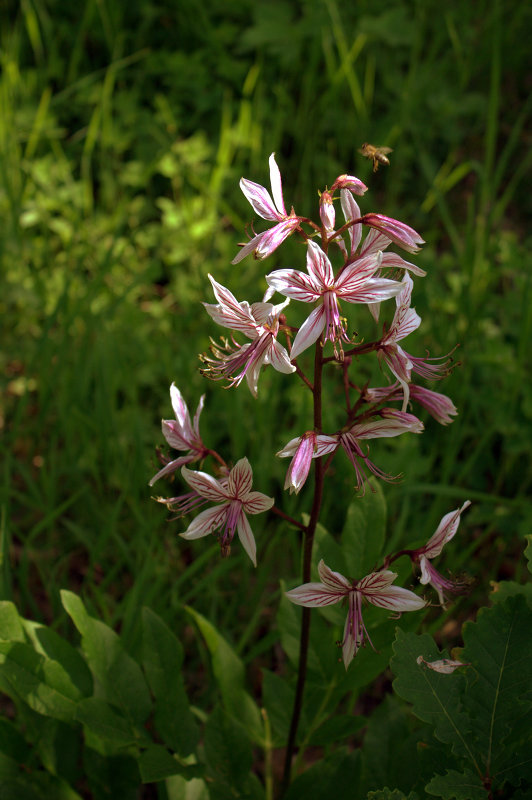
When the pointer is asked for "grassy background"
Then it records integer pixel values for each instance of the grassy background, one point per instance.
(124, 129)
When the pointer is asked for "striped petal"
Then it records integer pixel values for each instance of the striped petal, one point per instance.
(205, 485)
(313, 595)
(256, 503)
(295, 284)
(277, 185)
(245, 534)
(319, 267)
(334, 581)
(206, 522)
(240, 480)
(309, 332)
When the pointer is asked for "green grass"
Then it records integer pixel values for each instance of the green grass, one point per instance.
(123, 132)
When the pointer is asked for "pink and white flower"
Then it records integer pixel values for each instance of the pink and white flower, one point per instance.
(303, 450)
(376, 588)
(349, 182)
(389, 423)
(401, 234)
(423, 555)
(234, 499)
(260, 323)
(355, 284)
(401, 363)
(274, 210)
(405, 321)
(438, 405)
(374, 241)
(181, 434)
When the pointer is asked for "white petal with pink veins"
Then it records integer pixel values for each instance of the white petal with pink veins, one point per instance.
(295, 284)
(180, 410)
(206, 522)
(277, 185)
(334, 581)
(309, 332)
(256, 503)
(313, 595)
(260, 199)
(240, 479)
(319, 267)
(205, 485)
(245, 534)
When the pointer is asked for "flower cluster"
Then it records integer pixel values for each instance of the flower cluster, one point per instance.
(348, 263)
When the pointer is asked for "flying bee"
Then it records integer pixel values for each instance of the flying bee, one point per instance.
(377, 154)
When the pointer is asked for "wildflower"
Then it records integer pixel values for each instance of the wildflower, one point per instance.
(355, 284)
(389, 423)
(374, 241)
(404, 322)
(438, 405)
(181, 434)
(376, 588)
(235, 500)
(345, 182)
(423, 555)
(260, 323)
(303, 450)
(403, 235)
(274, 210)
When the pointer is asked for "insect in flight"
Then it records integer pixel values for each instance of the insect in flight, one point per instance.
(377, 154)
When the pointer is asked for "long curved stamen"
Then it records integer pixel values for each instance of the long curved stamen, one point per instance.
(228, 361)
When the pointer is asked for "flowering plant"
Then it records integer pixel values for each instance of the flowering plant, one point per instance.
(349, 263)
(119, 708)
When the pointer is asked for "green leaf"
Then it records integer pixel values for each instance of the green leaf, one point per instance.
(278, 700)
(51, 645)
(105, 722)
(157, 764)
(499, 692)
(178, 788)
(389, 752)
(229, 673)
(11, 629)
(364, 532)
(323, 655)
(506, 589)
(162, 660)
(435, 697)
(335, 776)
(456, 786)
(111, 777)
(120, 677)
(390, 794)
(229, 757)
(12, 743)
(40, 682)
(336, 729)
